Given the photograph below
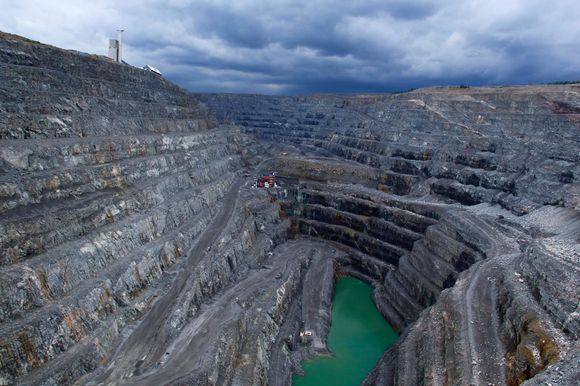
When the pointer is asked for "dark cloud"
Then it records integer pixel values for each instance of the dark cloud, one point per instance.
(236, 29)
(411, 10)
(288, 47)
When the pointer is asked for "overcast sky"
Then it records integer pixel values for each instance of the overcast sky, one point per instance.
(292, 47)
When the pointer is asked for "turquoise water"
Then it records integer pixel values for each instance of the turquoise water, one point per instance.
(358, 336)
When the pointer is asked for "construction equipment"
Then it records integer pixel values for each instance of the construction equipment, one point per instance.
(267, 181)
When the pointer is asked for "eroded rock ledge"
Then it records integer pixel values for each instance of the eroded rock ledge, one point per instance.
(135, 251)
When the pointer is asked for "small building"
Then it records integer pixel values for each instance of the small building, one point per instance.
(114, 49)
(152, 69)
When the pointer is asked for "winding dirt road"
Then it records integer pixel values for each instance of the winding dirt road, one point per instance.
(147, 343)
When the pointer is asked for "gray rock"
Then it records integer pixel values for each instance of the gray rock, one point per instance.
(134, 249)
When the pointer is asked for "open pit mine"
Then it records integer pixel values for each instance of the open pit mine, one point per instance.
(153, 236)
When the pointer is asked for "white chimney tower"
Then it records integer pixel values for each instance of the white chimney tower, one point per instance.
(120, 43)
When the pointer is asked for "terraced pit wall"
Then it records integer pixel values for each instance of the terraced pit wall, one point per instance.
(514, 146)
(108, 175)
(448, 200)
(134, 249)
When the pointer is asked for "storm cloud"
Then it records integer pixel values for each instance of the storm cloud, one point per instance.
(292, 47)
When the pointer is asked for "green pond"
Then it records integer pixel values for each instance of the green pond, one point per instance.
(358, 337)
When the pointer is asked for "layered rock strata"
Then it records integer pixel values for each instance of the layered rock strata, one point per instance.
(134, 249)
(109, 178)
(514, 146)
(404, 184)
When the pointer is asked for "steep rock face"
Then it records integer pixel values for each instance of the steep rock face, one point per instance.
(134, 249)
(108, 176)
(469, 285)
(506, 319)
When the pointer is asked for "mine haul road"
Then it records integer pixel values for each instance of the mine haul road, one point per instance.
(147, 343)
